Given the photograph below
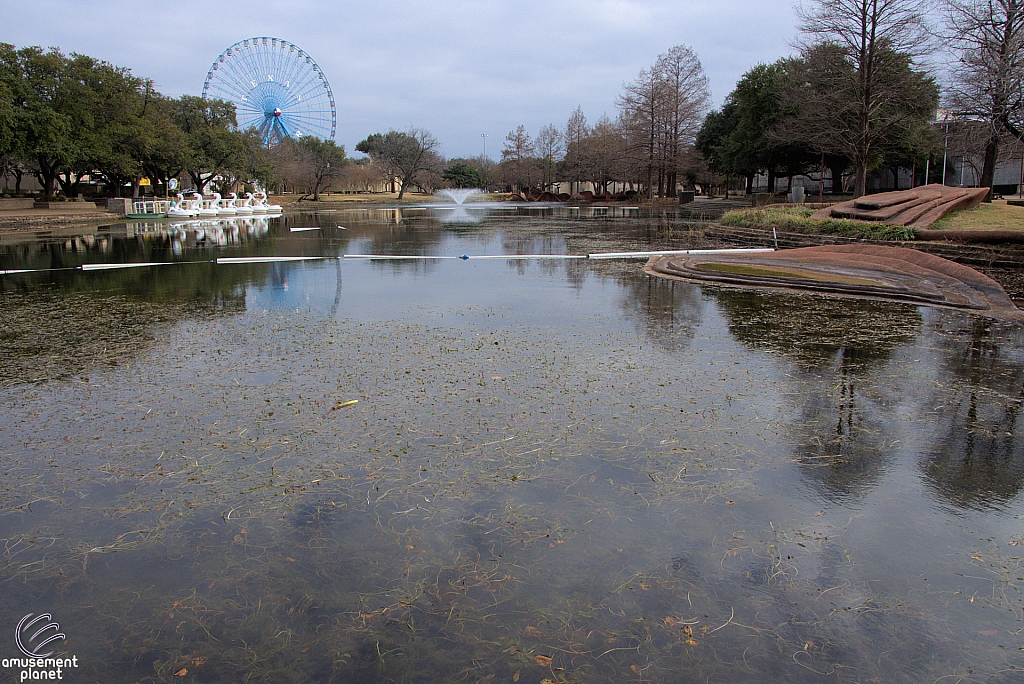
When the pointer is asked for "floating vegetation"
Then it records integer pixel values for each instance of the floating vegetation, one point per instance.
(560, 472)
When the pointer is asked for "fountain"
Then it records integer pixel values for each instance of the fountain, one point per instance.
(459, 195)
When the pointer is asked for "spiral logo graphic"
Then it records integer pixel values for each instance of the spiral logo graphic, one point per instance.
(31, 645)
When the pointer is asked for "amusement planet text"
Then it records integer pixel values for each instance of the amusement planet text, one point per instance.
(35, 669)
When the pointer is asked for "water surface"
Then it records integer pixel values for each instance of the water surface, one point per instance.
(556, 470)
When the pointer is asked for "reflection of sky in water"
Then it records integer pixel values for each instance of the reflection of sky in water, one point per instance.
(816, 476)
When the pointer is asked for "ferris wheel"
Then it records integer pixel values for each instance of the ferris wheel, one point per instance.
(276, 88)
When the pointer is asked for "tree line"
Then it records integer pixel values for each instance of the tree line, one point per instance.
(65, 118)
(859, 95)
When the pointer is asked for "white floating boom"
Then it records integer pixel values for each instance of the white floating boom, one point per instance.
(269, 259)
(669, 252)
(107, 267)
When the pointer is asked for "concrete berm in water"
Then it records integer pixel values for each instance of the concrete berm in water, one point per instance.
(862, 271)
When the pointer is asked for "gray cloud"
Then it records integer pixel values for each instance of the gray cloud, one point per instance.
(458, 68)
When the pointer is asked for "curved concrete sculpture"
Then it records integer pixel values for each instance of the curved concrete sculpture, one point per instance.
(864, 271)
(919, 208)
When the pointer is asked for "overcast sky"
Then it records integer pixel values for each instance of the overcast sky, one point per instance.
(457, 68)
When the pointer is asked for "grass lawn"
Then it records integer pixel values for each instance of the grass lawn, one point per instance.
(995, 216)
(796, 219)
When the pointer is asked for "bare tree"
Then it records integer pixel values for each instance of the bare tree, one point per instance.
(662, 110)
(862, 88)
(605, 150)
(988, 76)
(641, 105)
(686, 101)
(362, 176)
(322, 163)
(549, 147)
(403, 155)
(576, 132)
(517, 160)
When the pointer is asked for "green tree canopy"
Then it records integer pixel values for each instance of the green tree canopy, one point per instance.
(461, 175)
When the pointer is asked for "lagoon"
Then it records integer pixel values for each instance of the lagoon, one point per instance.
(555, 470)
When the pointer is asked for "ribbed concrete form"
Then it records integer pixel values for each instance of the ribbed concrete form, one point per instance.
(863, 271)
(920, 207)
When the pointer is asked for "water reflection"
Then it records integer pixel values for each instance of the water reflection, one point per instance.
(815, 331)
(555, 470)
(837, 346)
(668, 311)
(461, 214)
(977, 460)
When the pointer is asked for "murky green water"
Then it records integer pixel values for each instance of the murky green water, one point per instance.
(556, 470)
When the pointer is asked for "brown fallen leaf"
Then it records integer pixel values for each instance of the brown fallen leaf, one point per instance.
(671, 621)
(729, 503)
(636, 670)
(687, 631)
(530, 630)
(515, 677)
(198, 661)
(645, 586)
(691, 642)
(181, 673)
(542, 660)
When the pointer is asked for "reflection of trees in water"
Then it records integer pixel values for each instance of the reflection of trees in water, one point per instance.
(811, 330)
(668, 311)
(83, 320)
(978, 457)
(840, 448)
(50, 336)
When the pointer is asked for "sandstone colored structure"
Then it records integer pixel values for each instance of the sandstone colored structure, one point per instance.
(863, 271)
(919, 208)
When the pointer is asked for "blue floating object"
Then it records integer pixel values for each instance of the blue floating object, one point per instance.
(464, 257)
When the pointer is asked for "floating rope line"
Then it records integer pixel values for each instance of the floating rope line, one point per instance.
(33, 270)
(465, 257)
(386, 257)
(396, 256)
(669, 252)
(270, 259)
(299, 230)
(134, 264)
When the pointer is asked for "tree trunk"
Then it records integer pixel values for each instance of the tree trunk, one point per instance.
(46, 177)
(401, 191)
(988, 172)
(861, 181)
(836, 175)
(771, 181)
(750, 184)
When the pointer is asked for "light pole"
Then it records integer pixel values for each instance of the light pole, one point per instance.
(945, 145)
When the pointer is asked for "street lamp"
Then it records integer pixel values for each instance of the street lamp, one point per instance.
(945, 144)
